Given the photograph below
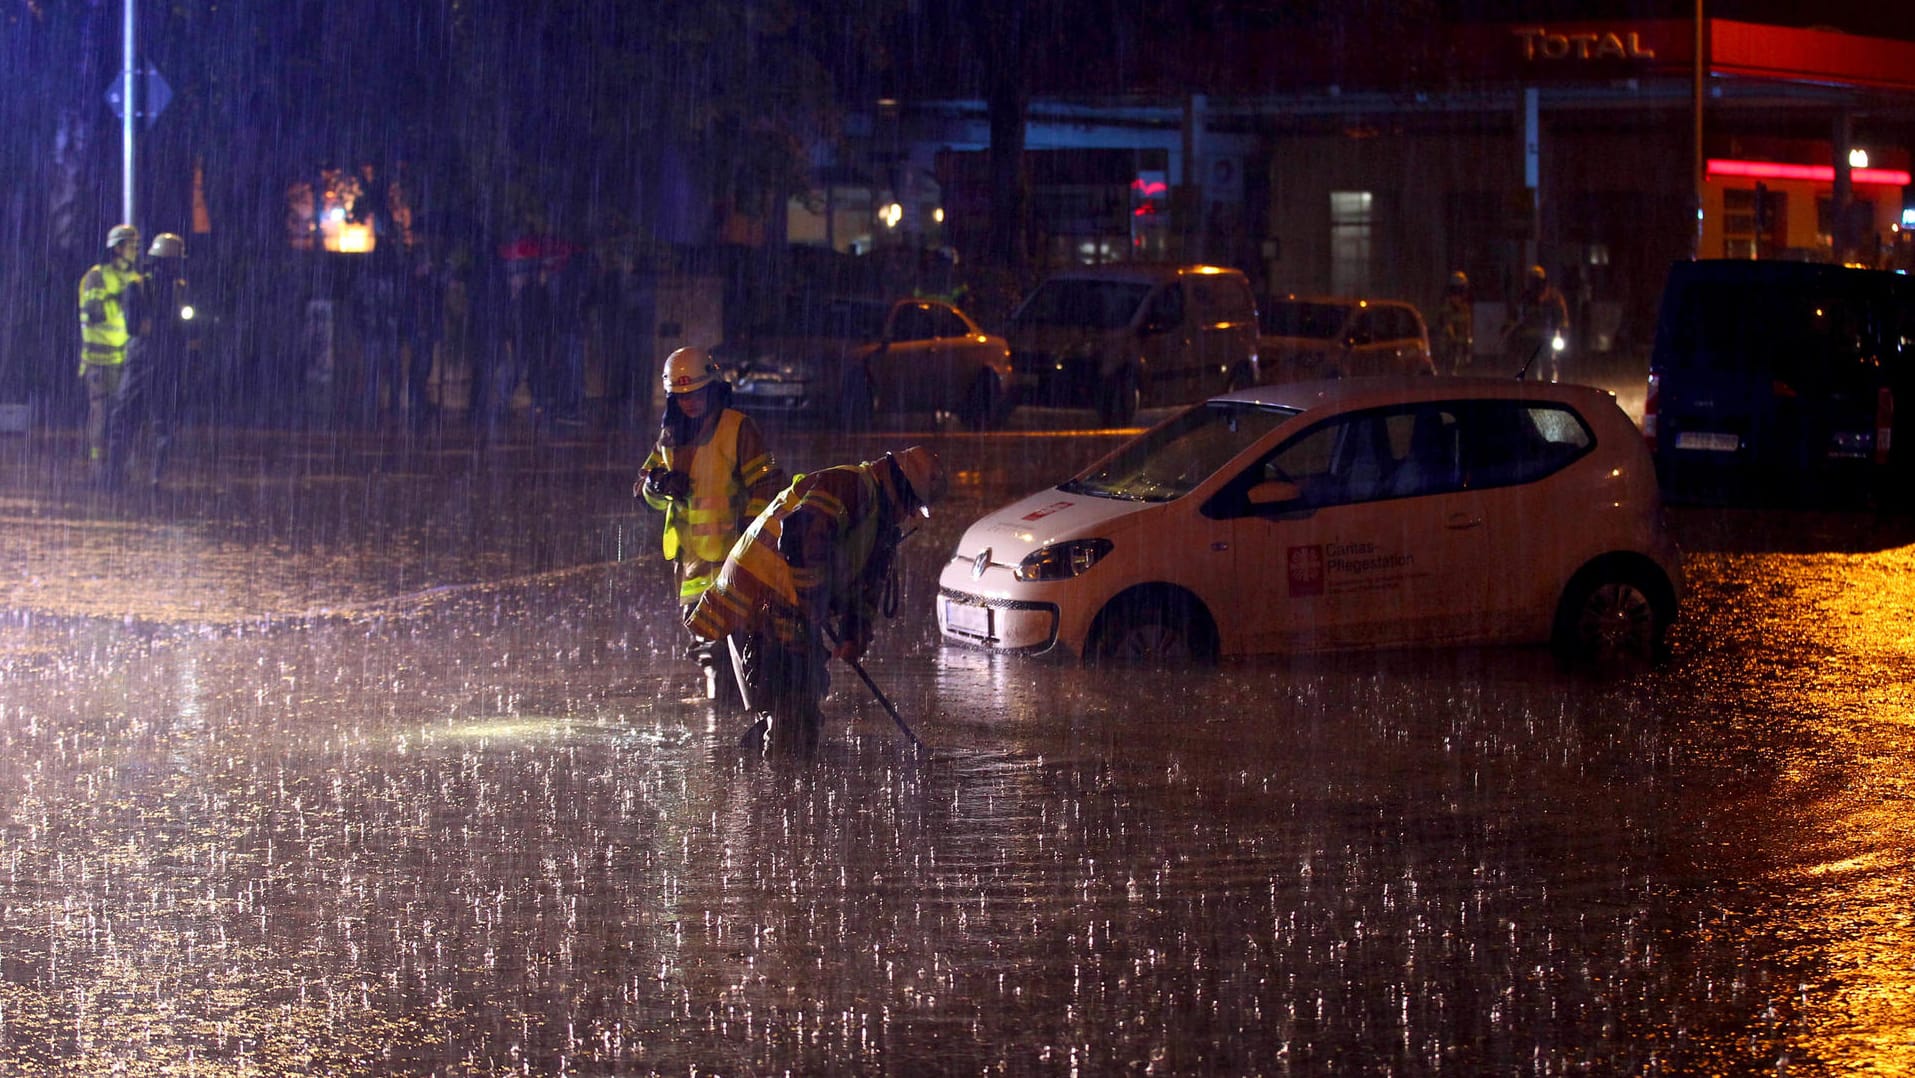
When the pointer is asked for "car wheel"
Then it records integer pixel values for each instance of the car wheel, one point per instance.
(1613, 611)
(1152, 627)
(983, 403)
(1118, 399)
(855, 403)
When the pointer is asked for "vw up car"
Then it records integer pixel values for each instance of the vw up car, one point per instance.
(1328, 515)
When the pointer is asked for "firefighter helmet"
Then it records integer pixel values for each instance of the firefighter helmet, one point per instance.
(689, 370)
(120, 234)
(923, 472)
(167, 245)
(1459, 281)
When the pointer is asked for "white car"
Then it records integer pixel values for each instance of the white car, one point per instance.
(1326, 515)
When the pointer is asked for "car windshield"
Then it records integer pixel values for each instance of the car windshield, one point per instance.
(1089, 304)
(1294, 318)
(1814, 341)
(1170, 461)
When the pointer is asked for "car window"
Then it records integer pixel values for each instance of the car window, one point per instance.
(1167, 309)
(913, 323)
(1427, 442)
(1171, 460)
(1415, 450)
(1343, 460)
(946, 323)
(1813, 339)
(1363, 328)
(1294, 318)
(1090, 304)
(1510, 442)
(1221, 298)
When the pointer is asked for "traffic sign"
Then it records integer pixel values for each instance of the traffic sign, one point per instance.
(154, 95)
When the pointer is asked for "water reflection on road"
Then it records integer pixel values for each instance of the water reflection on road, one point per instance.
(439, 817)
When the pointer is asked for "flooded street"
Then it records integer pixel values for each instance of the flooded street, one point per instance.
(350, 755)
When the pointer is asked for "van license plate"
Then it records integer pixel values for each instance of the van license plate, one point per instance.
(967, 619)
(1708, 441)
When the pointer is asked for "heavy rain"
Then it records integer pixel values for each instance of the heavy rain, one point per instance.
(361, 738)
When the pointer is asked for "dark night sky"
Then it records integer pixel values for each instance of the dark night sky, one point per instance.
(1879, 18)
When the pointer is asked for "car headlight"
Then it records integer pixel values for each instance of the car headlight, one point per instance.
(1061, 561)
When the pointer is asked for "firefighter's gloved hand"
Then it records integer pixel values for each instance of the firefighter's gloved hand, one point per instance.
(853, 637)
(666, 484)
(851, 649)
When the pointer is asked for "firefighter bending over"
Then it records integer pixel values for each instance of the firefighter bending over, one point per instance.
(818, 564)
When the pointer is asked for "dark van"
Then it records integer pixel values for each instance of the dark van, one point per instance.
(1779, 381)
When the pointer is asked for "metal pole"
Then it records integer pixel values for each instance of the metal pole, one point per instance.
(1695, 131)
(129, 114)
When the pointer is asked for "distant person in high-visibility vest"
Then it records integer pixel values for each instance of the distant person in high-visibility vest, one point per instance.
(809, 580)
(1455, 326)
(103, 335)
(710, 473)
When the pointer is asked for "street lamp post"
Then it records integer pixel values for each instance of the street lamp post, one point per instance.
(129, 113)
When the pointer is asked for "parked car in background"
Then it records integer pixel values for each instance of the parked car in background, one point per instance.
(847, 360)
(1780, 381)
(1356, 513)
(1118, 337)
(1305, 337)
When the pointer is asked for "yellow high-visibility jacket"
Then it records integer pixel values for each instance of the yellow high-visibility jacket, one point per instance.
(733, 477)
(103, 328)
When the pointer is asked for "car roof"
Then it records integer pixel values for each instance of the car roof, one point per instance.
(1353, 393)
(1142, 271)
(1342, 301)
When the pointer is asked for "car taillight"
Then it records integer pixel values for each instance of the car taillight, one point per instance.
(1651, 407)
(1884, 422)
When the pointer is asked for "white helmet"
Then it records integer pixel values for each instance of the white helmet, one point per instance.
(120, 234)
(924, 473)
(689, 370)
(166, 245)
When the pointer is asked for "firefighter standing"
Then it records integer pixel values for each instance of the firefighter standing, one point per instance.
(1538, 324)
(160, 308)
(710, 474)
(818, 563)
(1455, 326)
(104, 332)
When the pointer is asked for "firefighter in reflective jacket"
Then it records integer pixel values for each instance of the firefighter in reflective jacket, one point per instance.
(710, 474)
(103, 336)
(818, 562)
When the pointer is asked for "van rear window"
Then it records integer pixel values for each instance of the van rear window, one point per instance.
(1802, 337)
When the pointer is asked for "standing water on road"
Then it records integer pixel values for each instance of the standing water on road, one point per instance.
(350, 763)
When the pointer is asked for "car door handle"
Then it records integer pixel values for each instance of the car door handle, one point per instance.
(1463, 521)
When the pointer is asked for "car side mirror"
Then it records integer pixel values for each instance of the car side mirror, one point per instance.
(1273, 492)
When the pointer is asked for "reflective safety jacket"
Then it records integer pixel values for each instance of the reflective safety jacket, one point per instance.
(103, 328)
(822, 548)
(733, 478)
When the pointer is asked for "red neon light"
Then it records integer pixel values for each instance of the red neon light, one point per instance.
(1777, 170)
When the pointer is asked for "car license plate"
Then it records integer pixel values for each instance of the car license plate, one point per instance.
(1708, 441)
(772, 389)
(967, 619)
